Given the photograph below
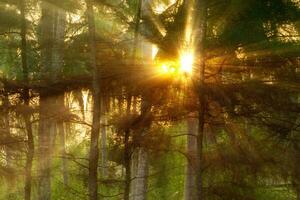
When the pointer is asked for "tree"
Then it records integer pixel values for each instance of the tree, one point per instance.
(26, 97)
(94, 151)
(52, 39)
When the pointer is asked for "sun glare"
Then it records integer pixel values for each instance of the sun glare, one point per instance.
(186, 62)
(184, 65)
(167, 69)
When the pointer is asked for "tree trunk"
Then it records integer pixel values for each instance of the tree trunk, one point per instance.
(29, 158)
(52, 41)
(127, 162)
(94, 151)
(134, 165)
(141, 179)
(201, 23)
(141, 182)
(190, 187)
(46, 128)
(26, 97)
(127, 154)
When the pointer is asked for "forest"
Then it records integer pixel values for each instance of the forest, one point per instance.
(149, 99)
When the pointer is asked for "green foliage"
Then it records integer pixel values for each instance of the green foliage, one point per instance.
(251, 143)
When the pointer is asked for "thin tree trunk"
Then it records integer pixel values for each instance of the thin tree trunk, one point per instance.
(140, 182)
(127, 162)
(94, 151)
(45, 122)
(29, 158)
(135, 160)
(127, 155)
(26, 97)
(201, 22)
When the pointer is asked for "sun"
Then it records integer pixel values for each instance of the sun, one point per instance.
(186, 62)
(182, 66)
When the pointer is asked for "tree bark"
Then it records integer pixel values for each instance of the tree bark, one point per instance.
(26, 98)
(141, 178)
(190, 187)
(94, 151)
(141, 183)
(134, 165)
(46, 128)
(201, 25)
(52, 40)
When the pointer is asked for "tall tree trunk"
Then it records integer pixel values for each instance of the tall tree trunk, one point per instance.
(201, 27)
(134, 160)
(141, 175)
(94, 151)
(26, 97)
(44, 163)
(52, 41)
(190, 187)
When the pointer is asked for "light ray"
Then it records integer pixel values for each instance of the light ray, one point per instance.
(186, 62)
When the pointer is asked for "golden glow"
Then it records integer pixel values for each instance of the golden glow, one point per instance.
(154, 51)
(189, 24)
(167, 68)
(186, 59)
(183, 66)
(160, 8)
(85, 97)
(186, 62)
